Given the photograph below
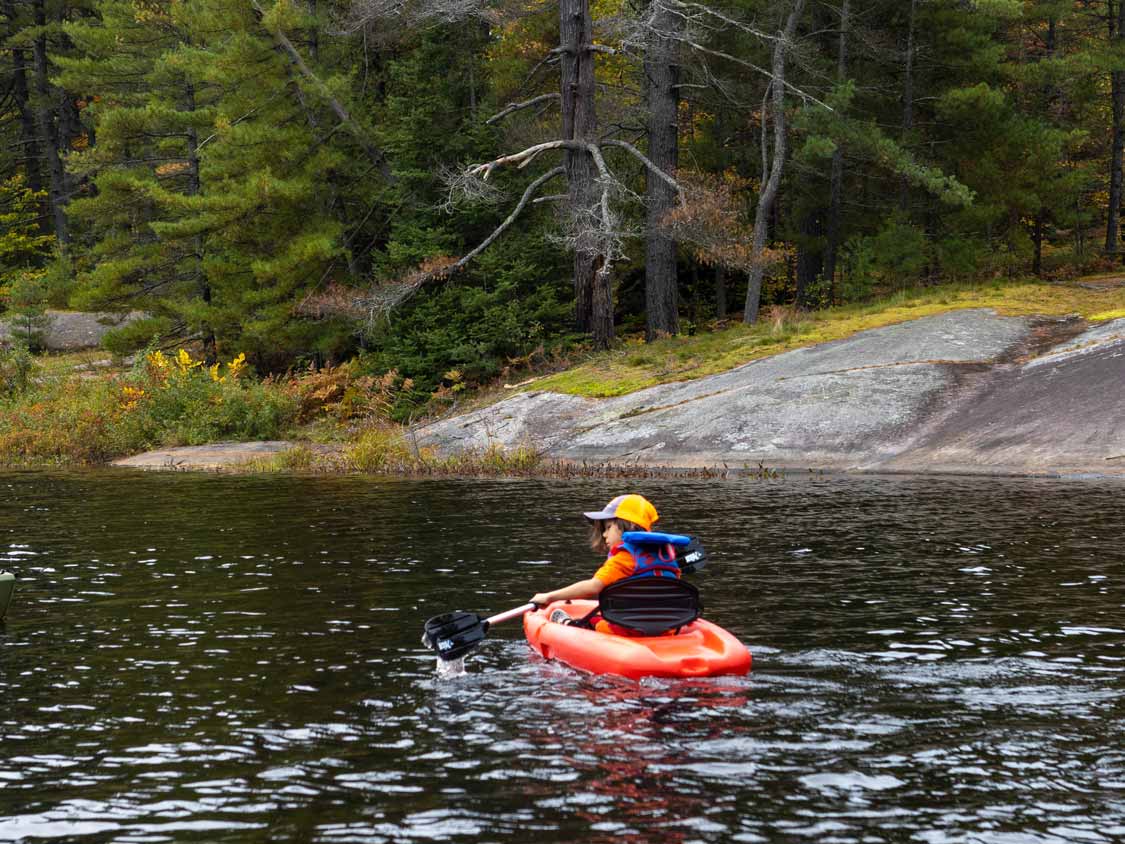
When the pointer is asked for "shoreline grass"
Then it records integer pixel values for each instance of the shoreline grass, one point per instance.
(635, 366)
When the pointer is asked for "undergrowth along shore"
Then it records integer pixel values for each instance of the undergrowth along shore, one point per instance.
(77, 410)
(388, 450)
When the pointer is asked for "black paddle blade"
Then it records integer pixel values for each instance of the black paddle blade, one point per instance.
(453, 634)
(694, 557)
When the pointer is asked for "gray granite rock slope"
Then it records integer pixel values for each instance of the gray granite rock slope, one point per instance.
(856, 403)
(1062, 412)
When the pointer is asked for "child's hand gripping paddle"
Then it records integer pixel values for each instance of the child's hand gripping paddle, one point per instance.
(454, 634)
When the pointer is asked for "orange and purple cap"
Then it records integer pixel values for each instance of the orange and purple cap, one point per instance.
(632, 508)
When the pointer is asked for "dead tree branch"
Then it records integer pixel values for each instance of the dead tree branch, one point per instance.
(524, 157)
(636, 153)
(384, 299)
(514, 107)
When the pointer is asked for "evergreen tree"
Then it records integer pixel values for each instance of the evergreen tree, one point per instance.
(212, 158)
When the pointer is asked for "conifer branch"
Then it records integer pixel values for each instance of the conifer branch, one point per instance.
(377, 156)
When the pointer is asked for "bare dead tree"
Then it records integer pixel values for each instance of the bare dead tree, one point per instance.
(597, 231)
(662, 77)
(769, 190)
(908, 96)
(592, 225)
(1117, 144)
(836, 180)
(400, 14)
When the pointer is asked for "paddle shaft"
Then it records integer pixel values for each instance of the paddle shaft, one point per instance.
(507, 615)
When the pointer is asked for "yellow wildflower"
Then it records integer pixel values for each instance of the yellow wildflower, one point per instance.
(130, 396)
(185, 363)
(214, 370)
(235, 367)
(158, 360)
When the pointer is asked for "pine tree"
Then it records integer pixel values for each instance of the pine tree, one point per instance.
(212, 158)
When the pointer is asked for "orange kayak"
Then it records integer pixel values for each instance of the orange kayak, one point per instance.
(700, 649)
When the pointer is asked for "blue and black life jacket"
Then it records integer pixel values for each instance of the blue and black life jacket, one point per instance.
(654, 554)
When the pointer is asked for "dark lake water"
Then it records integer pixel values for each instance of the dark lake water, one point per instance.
(199, 658)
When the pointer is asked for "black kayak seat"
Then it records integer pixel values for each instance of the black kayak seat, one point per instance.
(650, 605)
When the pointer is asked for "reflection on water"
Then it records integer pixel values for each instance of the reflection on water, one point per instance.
(196, 658)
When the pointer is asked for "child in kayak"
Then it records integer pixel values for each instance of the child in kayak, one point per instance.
(624, 513)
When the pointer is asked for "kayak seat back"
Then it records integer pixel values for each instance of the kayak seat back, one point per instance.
(650, 605)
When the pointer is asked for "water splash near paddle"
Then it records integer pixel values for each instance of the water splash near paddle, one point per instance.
(452, 635)
(448, 669)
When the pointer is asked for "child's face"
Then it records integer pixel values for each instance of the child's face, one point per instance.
(611, 534)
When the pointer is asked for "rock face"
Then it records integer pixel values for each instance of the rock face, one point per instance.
(214, 456)
(967, 391)
(69, 331)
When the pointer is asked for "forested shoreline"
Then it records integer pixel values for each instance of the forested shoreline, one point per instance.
(438, 191)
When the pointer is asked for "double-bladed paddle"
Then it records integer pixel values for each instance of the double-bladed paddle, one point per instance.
(454, 634)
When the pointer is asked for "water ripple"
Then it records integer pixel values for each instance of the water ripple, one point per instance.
(196, 658)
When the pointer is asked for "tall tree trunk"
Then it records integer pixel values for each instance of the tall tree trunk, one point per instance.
(1117, 87)
(836, 182)
(195, 188)
(809, 258)
(1050, 92)
(45, 118)
(720, 293)
(1037, 239)
(579, 122)
(769, 189)
(29, 136)
(661, 79)
(314, 32)
(908, 99)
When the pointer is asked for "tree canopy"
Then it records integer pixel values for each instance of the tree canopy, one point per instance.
(446, 187)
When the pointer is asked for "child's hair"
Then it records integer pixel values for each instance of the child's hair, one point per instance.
(597, 528)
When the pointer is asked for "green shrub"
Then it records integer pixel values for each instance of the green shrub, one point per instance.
(900, 253)
(17, 367)
(179, 401)
(162, 402)
(27, 317)
(133, 336)
(515, 302)
(960, 257)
